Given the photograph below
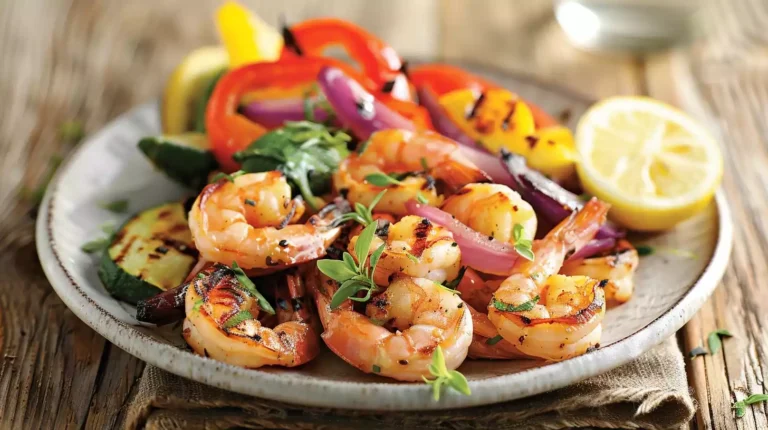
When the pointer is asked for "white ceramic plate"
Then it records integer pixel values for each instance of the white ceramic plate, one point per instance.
(671, 285)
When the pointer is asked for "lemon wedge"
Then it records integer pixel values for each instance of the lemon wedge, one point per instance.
(654, 164)
(186, 85)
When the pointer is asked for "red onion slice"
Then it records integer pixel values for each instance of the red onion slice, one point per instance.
(274, 113)
(440, 119)
(356, 108)
(477, 250)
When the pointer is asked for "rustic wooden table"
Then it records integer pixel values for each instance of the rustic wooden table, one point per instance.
(87, 61)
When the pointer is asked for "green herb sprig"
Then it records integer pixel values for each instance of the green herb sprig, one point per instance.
(250, 288)
(524, 247)
(442, 376)
(361, 214)
(354, 276)
(523, 307)
(741, 406)
(306, 152)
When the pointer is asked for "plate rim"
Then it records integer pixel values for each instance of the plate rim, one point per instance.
(352, 395)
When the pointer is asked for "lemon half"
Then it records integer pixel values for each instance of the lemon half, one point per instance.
(654, 164)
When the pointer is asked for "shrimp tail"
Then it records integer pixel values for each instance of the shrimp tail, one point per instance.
(580, 227)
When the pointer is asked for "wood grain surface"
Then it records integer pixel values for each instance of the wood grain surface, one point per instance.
(88, 61)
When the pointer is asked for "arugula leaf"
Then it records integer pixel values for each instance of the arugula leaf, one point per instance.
(451, 378)
(117, 206)
(741, 406)
(306, 152)
(504, 307)
(714, 342)
(251, 289)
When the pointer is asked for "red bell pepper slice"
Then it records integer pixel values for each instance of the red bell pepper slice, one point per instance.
(230, 132)
(378, 60)
(442, 78)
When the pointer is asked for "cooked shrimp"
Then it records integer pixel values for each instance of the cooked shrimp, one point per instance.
(406, 153)
(223, 323)
(422, 314)
(492, 209)
(565, 315)
(618, 266)
(249, 221)
(414, 247)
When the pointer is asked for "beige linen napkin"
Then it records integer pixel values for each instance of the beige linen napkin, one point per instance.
(651, 393)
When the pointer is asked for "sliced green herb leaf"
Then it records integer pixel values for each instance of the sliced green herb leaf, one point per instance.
(382, 180)
(421, 199)
(696, 352)
(494, 340)
(96, 245)
(523, 307)
(251, 289)
(524, 247)
(117, 206)
(237, 318)
(455, 283)
(644, 250)
(376, 369)
(714, 341)
(197, 305)
(228, 176)
(442, 376)
(444, 288)
(201, 275)
(412, 257)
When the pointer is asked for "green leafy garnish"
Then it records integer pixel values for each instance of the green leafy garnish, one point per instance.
(228, 176)
(451, 378)
(72, 131)
(201, 275)
(447, 289)
(376, 368)
(117, 206)
(36, 196)
(250, 288)
(354, 276)
(306, 152)
(421, 199)
(741, 406)
(412, 257)
(494, 340)
(237, 318)
(522, 246)
(197, 305)
(697, 352)
(504, 307)
(382, 179)
(424, 165)
(455, 283)
(714, 341)
(96, 245)
(643, 250)
(361, 214)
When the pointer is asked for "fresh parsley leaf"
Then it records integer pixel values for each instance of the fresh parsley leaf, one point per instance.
(524, 247)
(644, 250)
(117, 206)
(442, 376)
(741, 406)
(96, 245)
(237, 318)
(696, 352)
(382, 180)
(494, 340)
(250, 288)
(72, 131)
(228, 176)
(714, 341)
(504, 307)
(307, 153)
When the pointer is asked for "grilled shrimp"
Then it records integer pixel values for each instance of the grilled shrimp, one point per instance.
(223, 323)
(492, 209)
(618, 266)
(401, 327)
(564, 312)
(249, 221)
(414, 247)
(429, 164)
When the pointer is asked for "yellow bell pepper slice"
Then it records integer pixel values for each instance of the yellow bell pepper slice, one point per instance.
(246, 36)
(186, 85)
(500, 119)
